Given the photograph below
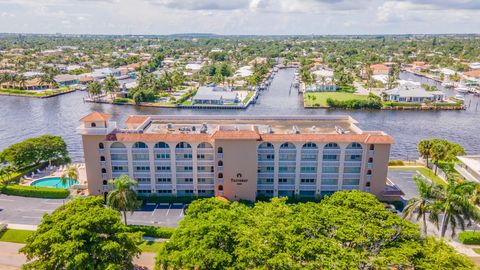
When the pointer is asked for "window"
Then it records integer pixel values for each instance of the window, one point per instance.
(367, 184)
(331, 146)
(93, 125)
(307, 180)
(183, 145)
(164, 191)
(330, 169)
(308, 169)
(282, 180)
(161, 145)
(105, 182)
(309, 157)
(220, 187)
(351, 182)
(164, 180)
(104, 170)
(200, 156)
(101, 146)
(354, 145)
(140, 145)
(220, 163)
(370, 160)
(119, 169)
(353, 158)
(188, 180)
(369, 172)
(220, 150)
(163, 168)
(372, 147)
(162, 156)
(119, 156)
(330, 157)
(102, 158)
(143, 180)
(220, 175)
(330, 182)
(141, 168)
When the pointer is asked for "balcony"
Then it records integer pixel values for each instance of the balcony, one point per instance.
(350, 187)
(308, 174)
(184, 161)
(205, 151)
(205, 174)
(266, 162)
(465, 173)
(265, 187)
(351, 176)
(329, 187)
(141, 174)
(163, 186)
(183, 151)
(184, 186)
(286, 174)
(353, 151)
(206, 186)
(352, 163)
(185, 174)
(286, 187)
(330, 163)
(265, 174)
(118, 151)
(329, 175)
(118, 162)
(144, 186)
(308, 187)
(141, 162)
(140, 151)
(162, 174)
(331, 152)
(160, 162)
(118, 174)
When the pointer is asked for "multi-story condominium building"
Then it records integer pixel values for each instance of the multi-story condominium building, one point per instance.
(469, 167)
(237, 157)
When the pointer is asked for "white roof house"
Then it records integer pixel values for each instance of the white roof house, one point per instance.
(244, 72)
(469, 167)
(409, 92)
(475, 65)
(214, 95)
(193, 67)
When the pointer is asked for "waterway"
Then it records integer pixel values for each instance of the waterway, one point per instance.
(22, 118)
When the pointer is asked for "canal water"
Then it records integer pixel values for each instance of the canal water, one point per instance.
(22, 118)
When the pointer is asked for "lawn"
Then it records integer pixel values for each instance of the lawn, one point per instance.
(423, 170)
(477, 250)
(247, 98)
(319, 99)
(33, 93)
(15, 236)
(149, 246)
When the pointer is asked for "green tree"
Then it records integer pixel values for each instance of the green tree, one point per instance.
(94, 89)
(455, 205)
(82, 234)
(123, 198)
(425, 148)
(110, 86)
(421, 205)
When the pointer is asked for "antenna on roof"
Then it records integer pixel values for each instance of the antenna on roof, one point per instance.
(269, 129)
(296, 130)
(340, 130)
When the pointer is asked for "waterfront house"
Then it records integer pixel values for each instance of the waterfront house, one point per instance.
(66, 79)
(475, 65)
(237, 157)
(214, 95)
(244, 71)
(379, 69)
(469, 167)
(102, 73)
(320, 87)
(411, 92)
(472, 76)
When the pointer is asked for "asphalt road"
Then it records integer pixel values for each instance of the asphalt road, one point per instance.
(29, 211)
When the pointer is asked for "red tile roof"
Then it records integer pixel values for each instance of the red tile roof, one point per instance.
(96, 116)
(136, 119)
(473, 73)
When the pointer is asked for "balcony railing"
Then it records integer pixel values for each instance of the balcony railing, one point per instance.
(205, 150)
(103, 163)
(370, 165)
(141, 174)
(265, 187)
(351, 176)
(183, 150)
(265, 174)
(329, 187)
(351, 187)
(184, 186)
(371, 153)
(162, 161)
(286, 186)
(331, 152)
(353, 151)
(185, 174)
(308, 174)
(162, 174)
(265, 161)
(144, 186)
(164, 186)
(286, 174)
(141, 162)
(287, 161)
(118, 151)
(206, 186)
(352, 163)
(122, 162)
(184, 161)
(330, 163)
(309, 162)
(140, 150)
(118, 174)
(220, 156)
(205, 174)
(329, 175)
(308, 187)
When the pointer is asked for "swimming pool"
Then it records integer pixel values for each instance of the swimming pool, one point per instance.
(54, 182)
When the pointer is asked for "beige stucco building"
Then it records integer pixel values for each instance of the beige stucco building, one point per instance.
(237, 157)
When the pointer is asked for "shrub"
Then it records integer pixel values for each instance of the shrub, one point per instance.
(396, 163)
(401, 104)
(151, 231)
(373, 102)
(36, 192)
(469, 238)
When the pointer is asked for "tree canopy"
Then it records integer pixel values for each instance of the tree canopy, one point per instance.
(82, 234)
(35, 151)
(349, 230)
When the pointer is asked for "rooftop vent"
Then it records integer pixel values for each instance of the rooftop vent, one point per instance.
(340, 130)
(194, 128)
(314, 129)
(169, 125)
(269, 129)
(204, 128)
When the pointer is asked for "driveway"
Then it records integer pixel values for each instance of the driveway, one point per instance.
(29, 211)
(404, 180)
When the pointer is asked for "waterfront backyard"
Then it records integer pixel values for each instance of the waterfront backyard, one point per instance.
(319, 99)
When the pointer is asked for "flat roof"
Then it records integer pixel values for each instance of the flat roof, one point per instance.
(326, 128)
(473, 162)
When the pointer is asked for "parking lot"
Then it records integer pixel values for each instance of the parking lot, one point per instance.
(29, 211)
(404, 180)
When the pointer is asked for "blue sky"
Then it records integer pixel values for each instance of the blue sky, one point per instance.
(240, 16)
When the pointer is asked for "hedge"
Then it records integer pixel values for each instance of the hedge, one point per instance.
(151, 231)
(469, 238)
(36, 192)
(168, 199)
(396, 163)
(401, 104)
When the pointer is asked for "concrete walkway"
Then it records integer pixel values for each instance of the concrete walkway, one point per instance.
(10, 259)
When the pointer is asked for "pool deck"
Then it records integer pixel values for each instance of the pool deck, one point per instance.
(57, 172)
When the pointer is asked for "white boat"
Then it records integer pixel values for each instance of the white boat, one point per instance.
(448, 84)
(462, 89)
(460, 97)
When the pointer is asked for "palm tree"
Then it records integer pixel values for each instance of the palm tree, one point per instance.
(439, 152)
(422, 204)
(123, 198)
(94, 89)
(21, 81)
(456, 205)
(110, 85)
(425, 149)
(69, 176)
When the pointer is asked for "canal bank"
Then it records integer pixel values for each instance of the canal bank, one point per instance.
(22, 118)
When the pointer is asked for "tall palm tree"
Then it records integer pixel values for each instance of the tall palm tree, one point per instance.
(422, 204)
(425, 149)
(21, 81)
(110, 85)
(123, 198)
(439, 152)
(456, 205)
(69, 176)
(94, 89)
